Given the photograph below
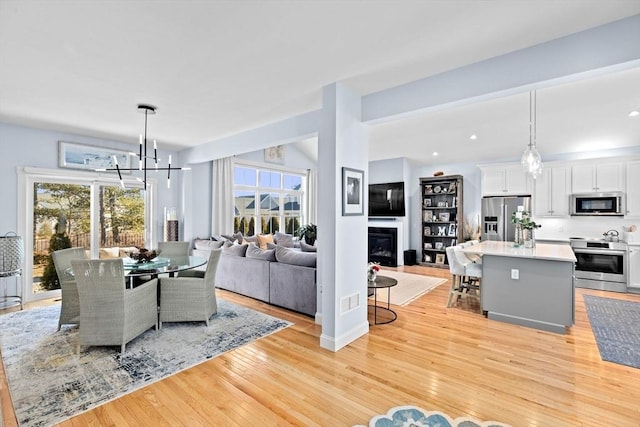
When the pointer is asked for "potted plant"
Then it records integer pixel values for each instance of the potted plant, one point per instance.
(309, 233)
(523, 221)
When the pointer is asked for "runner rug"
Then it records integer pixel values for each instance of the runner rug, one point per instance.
(402, 416)
(409, 287)
(615, 326)
(49, 382)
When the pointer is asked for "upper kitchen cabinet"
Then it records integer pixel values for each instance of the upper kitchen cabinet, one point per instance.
(633, 189)
(551, 195)
(501, 180)
(597, 177)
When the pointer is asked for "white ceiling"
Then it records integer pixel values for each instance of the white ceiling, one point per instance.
(216, 68)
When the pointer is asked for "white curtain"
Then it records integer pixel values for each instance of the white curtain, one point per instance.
(222, 197)
(312, 193)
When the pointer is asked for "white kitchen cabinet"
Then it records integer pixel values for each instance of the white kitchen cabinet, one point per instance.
(505, 180)
(633, 189)
(591, 177)
(634, 266)
(551, 195)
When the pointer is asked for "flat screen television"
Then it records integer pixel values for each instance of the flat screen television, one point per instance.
(386, 199)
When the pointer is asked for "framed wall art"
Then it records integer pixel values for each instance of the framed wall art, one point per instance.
(88, 157)
(352, 192)
(274, 154)
(439, 258)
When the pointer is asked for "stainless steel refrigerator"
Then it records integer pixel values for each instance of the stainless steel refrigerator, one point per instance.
(496, 216)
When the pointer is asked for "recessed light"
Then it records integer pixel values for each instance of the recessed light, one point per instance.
(435, 153)
(634, 113)
(473, 137)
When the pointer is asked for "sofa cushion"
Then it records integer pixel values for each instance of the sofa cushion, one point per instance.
(265, 254)
(305, 247)
(283, 239)
(295, 257)
(263, 239)
(207, 244)
(234, 249)
(271, 245)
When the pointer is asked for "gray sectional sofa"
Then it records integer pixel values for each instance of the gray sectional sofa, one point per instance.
(281, 276)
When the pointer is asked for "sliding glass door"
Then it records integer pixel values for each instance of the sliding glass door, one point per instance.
(74, 211)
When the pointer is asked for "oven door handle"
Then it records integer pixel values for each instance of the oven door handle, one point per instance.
(598, 251)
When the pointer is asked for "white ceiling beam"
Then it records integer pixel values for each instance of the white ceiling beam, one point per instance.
(610, 47)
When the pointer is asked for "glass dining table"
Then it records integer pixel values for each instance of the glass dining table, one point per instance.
(134, 271)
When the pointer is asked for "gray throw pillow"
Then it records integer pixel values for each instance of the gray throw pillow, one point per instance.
(251, 239)
(271, 245)
(254, 251)
(207, 244)
(282, 239)
(234, 249)
(306, 247)
(295, 257)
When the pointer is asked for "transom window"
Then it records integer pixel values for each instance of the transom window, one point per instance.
(267, 200)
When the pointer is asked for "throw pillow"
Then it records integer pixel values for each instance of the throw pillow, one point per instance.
(207, 244)
(283, 239)
(263, 239)
(239, 237)
(251, 239)
(265, 254)
(305, 247)
(295, 257)
(271, 245)
(235, 249)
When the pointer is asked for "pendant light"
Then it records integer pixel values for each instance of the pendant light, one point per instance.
(143, 155)
(531, 159)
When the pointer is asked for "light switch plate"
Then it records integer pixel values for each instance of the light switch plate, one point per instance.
(515, 274)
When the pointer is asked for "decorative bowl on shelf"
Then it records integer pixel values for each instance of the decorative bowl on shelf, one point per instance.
(142, 255)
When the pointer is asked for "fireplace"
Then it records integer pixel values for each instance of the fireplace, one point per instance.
(383, 246)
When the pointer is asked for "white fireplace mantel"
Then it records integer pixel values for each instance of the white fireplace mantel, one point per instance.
(398, 226)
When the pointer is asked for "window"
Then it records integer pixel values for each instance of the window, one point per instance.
(267, 197)
(63, 209)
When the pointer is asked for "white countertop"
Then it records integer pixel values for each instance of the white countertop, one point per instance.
(551, 252)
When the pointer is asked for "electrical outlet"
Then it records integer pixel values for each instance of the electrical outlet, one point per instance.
(515, 274)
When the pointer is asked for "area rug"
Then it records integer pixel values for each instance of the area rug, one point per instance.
(409, 287)
(615, 326)
(49, 382)
(405, 416)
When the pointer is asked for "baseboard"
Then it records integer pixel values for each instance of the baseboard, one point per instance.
(336, 343)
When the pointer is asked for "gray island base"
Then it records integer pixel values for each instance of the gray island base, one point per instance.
(530, 287)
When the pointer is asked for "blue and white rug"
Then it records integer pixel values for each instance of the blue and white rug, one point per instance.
(616, 327)
(412, 416)
(49, 382)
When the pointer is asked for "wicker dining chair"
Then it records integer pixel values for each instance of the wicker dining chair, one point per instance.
(187, 299)
(111, 314)
(172, 249)
(70, 306)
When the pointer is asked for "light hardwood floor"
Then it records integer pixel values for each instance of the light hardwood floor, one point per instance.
(453, 360)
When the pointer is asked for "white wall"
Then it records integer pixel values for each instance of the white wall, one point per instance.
(23, 146)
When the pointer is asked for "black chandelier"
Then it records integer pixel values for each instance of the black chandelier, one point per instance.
(143, 155)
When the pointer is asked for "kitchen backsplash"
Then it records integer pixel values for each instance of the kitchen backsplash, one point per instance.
(564, 228)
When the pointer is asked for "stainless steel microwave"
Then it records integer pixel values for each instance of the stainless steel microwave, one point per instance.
(598, 204)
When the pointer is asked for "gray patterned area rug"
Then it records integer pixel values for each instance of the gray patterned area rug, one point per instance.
(49, 382)
(615, 326)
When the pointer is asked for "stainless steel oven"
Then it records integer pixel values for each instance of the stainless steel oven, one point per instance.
(600, 264)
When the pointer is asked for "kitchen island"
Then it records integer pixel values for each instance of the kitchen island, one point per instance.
(527, 286)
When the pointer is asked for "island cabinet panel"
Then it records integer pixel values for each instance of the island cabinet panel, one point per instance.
(542, 296)
(633, 190)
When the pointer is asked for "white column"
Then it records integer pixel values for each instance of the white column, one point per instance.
(342, 251)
